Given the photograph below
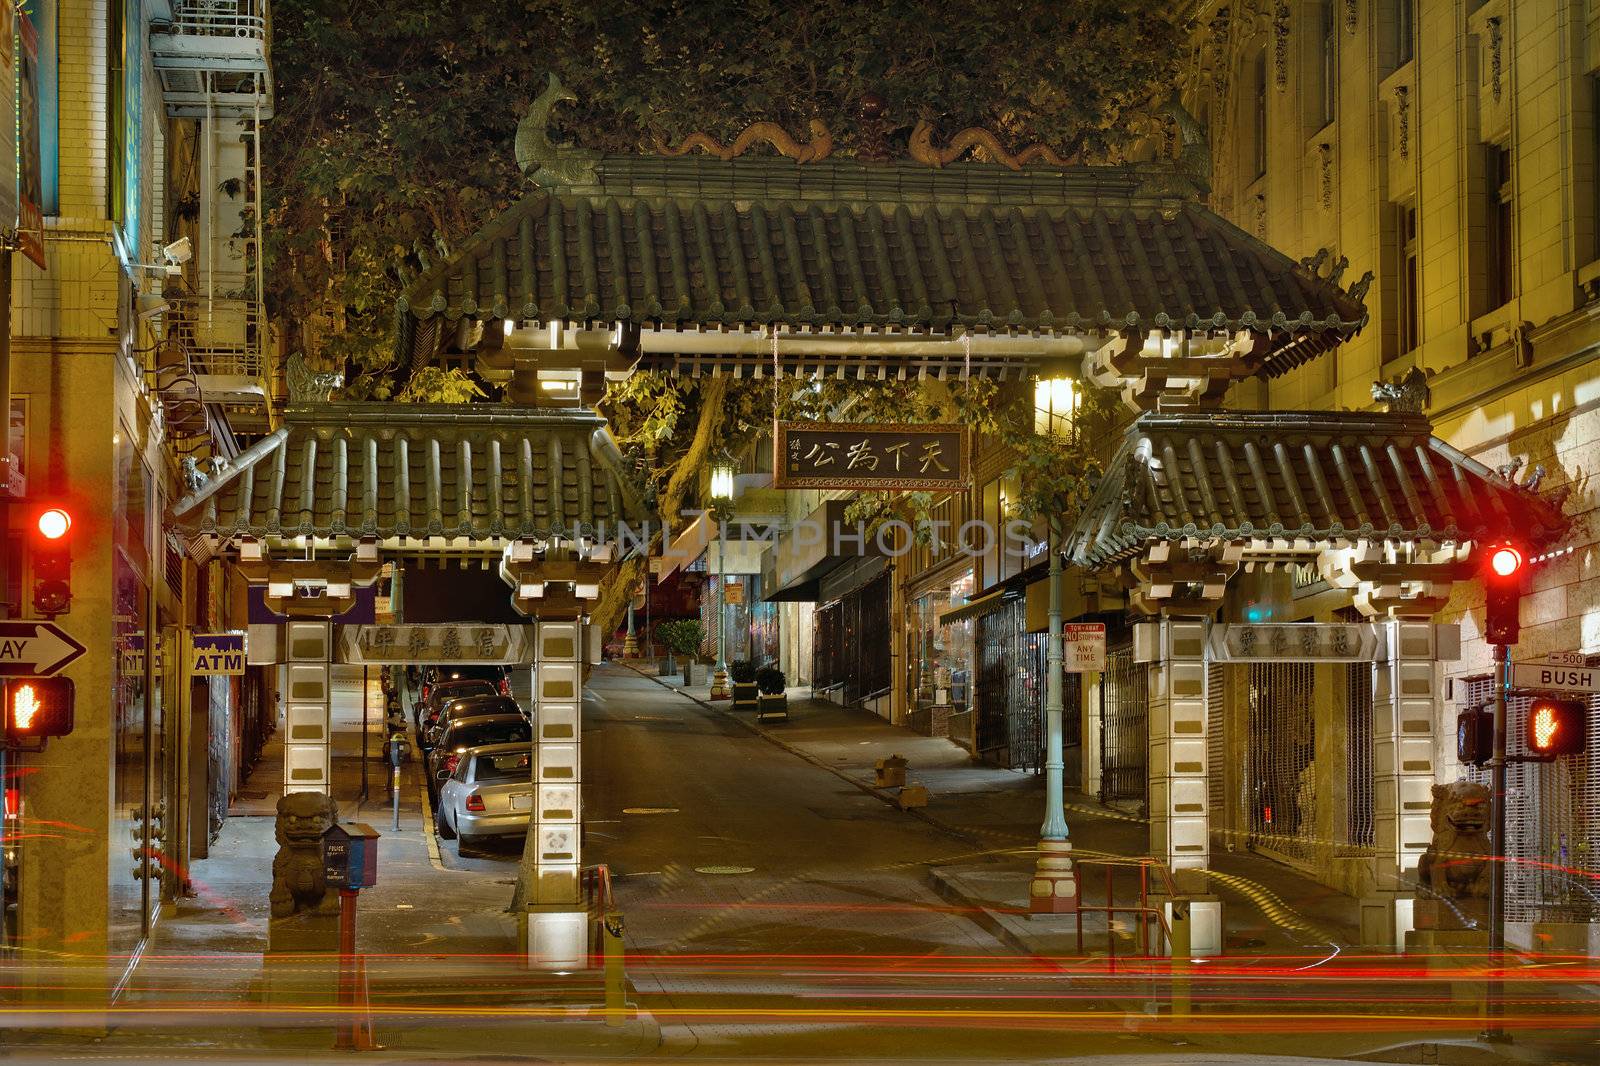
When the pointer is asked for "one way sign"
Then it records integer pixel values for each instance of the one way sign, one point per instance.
(33, 648)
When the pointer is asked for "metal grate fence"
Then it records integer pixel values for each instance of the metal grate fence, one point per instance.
(1124, 727)
(1280, 757)
(1552, 821)
(1359, 815)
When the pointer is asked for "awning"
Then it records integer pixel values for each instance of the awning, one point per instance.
(799, 566)
(468, 474)
(1314, 476)
(975, 608)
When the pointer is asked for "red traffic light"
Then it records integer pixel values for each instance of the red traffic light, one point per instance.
(38, 707)
(54, 523)
(1556, 727)
(1505, 561)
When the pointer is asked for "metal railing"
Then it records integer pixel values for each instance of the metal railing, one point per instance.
(1150, 918)
(220, 18)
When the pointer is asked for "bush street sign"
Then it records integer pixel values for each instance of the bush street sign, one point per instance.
(1555, 676)
(884, 456)
(34, 648)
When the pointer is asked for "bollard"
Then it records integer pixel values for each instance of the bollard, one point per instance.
(1181, 964)
(611, 950)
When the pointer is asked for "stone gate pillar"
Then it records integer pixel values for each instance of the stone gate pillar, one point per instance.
(307, 706)
(1405, 712)
(1180, 830)
(557, 915)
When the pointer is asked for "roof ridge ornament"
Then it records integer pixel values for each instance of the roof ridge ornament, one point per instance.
(545, 162)
(923, 150)
(307, 385)
(819, 147)
(1404, 395)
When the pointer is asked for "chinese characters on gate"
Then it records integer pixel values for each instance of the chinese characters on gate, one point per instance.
(432, 644)
(855, 455)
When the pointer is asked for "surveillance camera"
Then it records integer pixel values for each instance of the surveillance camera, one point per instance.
(178, 252)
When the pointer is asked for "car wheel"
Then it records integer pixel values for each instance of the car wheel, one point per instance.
(442, 827)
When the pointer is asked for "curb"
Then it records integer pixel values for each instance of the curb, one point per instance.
(965, 836)
(978, 913)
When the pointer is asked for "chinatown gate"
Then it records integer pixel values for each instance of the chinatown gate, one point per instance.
(803, 264)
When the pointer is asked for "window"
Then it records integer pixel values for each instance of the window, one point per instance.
(1330, 64)
(1408, 291)
(1258, 102)
(1055, 403)
(1405, 31)
(1501, 238)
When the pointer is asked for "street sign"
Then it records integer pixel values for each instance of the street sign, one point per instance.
(214, 654)
(733, 593)
(1553, 677)
(35, 648)
(1084, 647)
(1565, 658)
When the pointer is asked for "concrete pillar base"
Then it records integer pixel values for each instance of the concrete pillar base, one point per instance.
(1386, 918)
(630, 647)
(720, 690)
(1054, 888)
(557, 937)
(1203, 916)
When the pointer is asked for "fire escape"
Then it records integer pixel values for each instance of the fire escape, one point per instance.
(214, 63)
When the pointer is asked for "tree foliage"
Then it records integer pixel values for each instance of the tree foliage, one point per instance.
(392, 139)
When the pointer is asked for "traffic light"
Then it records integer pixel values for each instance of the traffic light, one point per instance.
(1475, 735)
(37, 707)
(1502, 581)
(1556, 727)
(52, 562)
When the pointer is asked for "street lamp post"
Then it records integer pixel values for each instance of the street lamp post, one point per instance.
(1054, 888)
(721, 496)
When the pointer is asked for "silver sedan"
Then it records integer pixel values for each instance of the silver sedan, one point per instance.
(490, 793)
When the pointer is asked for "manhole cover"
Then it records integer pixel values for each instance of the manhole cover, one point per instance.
(649, 810)
(724, 869)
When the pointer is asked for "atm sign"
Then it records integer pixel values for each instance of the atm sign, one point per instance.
(216, 653)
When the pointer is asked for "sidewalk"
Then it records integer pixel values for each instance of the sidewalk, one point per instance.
(998, 812)
(426, 932)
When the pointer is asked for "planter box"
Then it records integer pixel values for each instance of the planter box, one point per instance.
(772, 708)
(746, 697)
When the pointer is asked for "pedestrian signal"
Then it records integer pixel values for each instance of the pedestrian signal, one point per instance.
(37, 707)
(1475, 736)
(1556, 727)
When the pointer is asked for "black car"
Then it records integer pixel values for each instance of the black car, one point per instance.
(465, 733)
(440, 693)
(467, 707)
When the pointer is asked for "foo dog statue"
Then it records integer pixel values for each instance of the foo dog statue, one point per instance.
(1454, 872)
(299, 879)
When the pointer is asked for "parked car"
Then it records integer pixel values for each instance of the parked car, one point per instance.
(497, 676)
(467, 707)
(441, 692)
(490, 793)
(464, 734)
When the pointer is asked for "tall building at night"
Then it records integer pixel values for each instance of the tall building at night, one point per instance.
(1452, 149)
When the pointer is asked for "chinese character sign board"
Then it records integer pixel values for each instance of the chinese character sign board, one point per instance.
(883, 456)
(30, 215)
(464, 644)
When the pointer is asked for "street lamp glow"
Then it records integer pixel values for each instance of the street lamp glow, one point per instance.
(722, 481)
(1055, 402)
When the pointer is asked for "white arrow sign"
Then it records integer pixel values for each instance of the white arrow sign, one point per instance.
(34, 648)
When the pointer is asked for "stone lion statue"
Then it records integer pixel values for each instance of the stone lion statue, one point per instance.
(299, 879)
(1454, 872)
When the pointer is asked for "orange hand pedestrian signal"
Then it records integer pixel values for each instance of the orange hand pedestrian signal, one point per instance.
(24, 708)
(38, 707)
(1556, 727)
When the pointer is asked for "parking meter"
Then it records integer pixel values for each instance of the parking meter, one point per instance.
(399, 748)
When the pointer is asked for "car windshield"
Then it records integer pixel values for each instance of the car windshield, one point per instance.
(507, 766)
(473, 733)
(455, 690)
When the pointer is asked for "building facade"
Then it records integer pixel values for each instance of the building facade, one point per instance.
(127, 385)
(1450, 148)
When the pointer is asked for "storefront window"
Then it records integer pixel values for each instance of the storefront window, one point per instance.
(942, 652)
